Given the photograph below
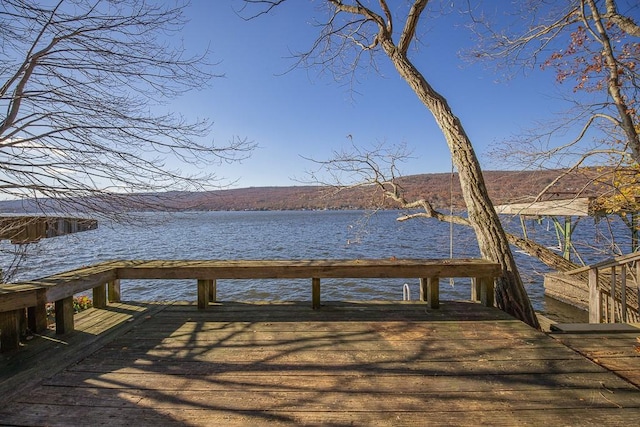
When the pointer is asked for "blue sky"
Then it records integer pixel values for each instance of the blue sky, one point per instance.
(305, 114)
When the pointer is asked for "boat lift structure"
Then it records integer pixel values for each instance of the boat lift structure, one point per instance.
(561, 213)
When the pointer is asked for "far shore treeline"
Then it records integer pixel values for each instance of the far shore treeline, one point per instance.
(441, 189)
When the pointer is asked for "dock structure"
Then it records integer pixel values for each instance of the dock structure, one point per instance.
(281, 363)
(28, 229)
(582, 287)
(560, 212)
(610, 293)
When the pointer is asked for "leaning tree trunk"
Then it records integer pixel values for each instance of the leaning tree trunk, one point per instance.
(492, 240)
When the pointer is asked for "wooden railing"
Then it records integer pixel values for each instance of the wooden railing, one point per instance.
(104, 280)
(614, 290)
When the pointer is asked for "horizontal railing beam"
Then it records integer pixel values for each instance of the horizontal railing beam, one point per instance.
(299, 269)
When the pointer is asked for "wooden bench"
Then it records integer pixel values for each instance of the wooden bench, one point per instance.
(58, 289)
(14, 299)
(427, 270)
(104, 280)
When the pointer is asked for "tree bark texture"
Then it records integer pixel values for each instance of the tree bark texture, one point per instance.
(492, 240)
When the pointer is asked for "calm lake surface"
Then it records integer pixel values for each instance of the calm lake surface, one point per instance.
(296, 235)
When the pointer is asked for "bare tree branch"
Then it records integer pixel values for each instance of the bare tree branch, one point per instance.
(85, 87)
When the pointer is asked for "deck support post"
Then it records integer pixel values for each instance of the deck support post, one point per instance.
(100, 296)
(476, 289)
(612, 297)
(37, 315)
(213, 290)
(204, 293)
(64, 315)
(595, 302)
(638, 281)
(315, 293)
(487, 293)
(114, 290)
(623, 293)
(430, 288)
(10, 329)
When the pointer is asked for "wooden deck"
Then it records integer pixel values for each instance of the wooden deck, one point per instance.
(364, 363)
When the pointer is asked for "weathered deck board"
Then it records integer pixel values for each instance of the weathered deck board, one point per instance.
(46, 354)
(618, 352)
(346, 364)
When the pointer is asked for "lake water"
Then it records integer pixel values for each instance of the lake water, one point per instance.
(290, 235)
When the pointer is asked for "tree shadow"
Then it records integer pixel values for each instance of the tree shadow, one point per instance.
(360, 362)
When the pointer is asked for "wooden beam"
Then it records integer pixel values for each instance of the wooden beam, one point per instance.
(612, 296)
(37, 315)
(19, 295)
(623, 292)
(62, 285)
(203, 293)
(113, 287)
(638, 285)
(293, 269)
(100, 296)
(476, 289)
(577, 206)
(433, 292)
(213, 290)
(315, 293)
(10, 329)
(595, 302)
(64, 315)
(487, 294)
(423, 289)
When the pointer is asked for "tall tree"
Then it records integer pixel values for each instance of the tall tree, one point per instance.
(594, 47)
(353, 29)
(84, 90)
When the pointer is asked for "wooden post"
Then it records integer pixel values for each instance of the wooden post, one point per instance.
(638, 284)
(433, 292)
(315, 293)
(612, 299)
(10, 329)
(423, 289)
(64, 315)
(595, 302)
(100, 296)
(204, 288)
(635, 228)
(566, 253)
(213, 290)
(114, 290)
(476, 289)
(37, 315)
(623, 293)
(487, 295)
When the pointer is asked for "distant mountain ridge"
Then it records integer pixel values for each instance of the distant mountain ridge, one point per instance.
(441, 189)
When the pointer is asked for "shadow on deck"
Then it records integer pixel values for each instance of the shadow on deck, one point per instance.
(347, 364)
